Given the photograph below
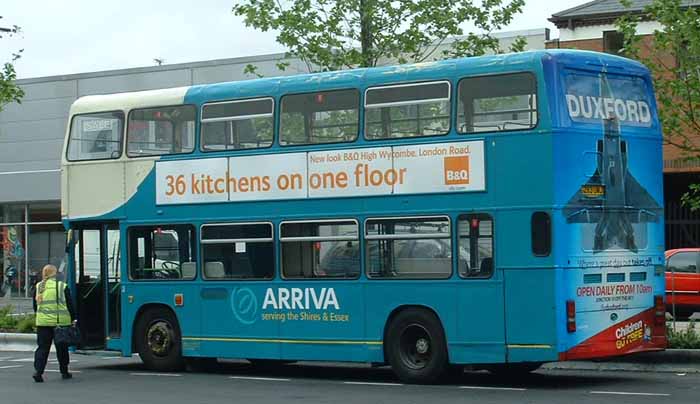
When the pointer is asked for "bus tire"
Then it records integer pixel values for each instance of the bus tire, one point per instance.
(159, 341)
(415, 346)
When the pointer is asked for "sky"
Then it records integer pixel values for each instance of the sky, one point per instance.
(77, 36)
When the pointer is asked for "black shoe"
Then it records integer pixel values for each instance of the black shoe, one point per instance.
(37, 378)
(66, 376)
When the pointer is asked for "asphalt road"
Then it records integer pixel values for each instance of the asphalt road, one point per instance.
(124, 380)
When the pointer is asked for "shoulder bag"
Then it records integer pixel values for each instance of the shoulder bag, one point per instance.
(65, 335)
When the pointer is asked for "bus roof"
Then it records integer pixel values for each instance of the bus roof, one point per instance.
(309, 82)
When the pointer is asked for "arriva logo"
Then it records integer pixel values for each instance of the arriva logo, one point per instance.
(297, 298)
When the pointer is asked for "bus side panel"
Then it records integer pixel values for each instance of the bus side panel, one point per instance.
(530, 315)
(480, 334)
(333, 332)
(233, 325)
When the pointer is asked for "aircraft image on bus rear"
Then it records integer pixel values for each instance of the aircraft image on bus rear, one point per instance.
(499, 212)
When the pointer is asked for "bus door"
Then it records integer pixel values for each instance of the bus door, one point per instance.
(97, 277)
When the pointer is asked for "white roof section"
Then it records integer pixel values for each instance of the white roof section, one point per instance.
(128, 101)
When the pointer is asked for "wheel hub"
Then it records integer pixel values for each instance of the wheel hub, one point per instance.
(160, 337)
(422, 346)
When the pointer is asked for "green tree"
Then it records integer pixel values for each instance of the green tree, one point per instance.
(677, 83)
(339, 34)
(9, 91)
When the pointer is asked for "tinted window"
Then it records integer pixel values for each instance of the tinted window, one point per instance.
(497, 103)
(476, 246)
(238, 251)
(163, 130)
(541, 228)
(237, 125)
(322, 117)
(96, 136)
(320, 249)
(414, 248)
(421, 109)
(162, 252)
(683, 262)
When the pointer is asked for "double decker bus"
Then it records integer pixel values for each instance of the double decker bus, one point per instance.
(498, 212)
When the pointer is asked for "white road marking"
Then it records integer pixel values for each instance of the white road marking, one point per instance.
(681, 374)
(492, 388)
(157, 374)
(22, 360)
(374, 384)
(10, 366)
(271, 379)
(57, 371)
(6, 358)
(630, 393)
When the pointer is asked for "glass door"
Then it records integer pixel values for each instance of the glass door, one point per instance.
(98, 287)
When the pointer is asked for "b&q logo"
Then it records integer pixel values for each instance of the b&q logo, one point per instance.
(457, 170)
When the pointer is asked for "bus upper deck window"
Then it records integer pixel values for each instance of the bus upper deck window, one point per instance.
(321, 117)
(162, 130)
(234, 125)
(96, 136)
(407, 110)
(498, 103)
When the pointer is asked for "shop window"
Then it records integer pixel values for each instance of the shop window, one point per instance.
(11, 213)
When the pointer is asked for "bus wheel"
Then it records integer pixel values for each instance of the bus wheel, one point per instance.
(159, 341)
(415, 346)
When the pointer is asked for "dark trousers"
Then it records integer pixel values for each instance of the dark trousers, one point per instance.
(44, 337)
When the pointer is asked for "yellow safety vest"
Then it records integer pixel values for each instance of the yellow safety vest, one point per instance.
(51, 309)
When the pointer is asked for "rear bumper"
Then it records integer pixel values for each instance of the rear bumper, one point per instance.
(636, 334)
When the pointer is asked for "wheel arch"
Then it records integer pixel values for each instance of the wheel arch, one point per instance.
(139, 314)
(397, 310)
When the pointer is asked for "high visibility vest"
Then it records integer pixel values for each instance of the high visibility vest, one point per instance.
(51, 308)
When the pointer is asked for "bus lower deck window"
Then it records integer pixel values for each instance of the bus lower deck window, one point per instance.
(475, 235)
(238, 251)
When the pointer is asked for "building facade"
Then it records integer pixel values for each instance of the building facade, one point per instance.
(591, 26)
(31, 140)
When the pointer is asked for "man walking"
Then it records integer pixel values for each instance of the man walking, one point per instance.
(53, 306)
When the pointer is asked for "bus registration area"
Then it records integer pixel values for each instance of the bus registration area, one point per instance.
(430, 168)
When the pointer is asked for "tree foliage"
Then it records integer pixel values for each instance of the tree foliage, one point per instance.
(340, 34)
(9, 92)
(673, 56)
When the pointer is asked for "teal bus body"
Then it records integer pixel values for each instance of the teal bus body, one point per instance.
(519, 313)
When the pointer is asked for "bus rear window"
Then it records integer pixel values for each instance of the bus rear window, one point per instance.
(504, 102)
(592, 97)
(162, 130)
(96, 136)
(322, 117)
